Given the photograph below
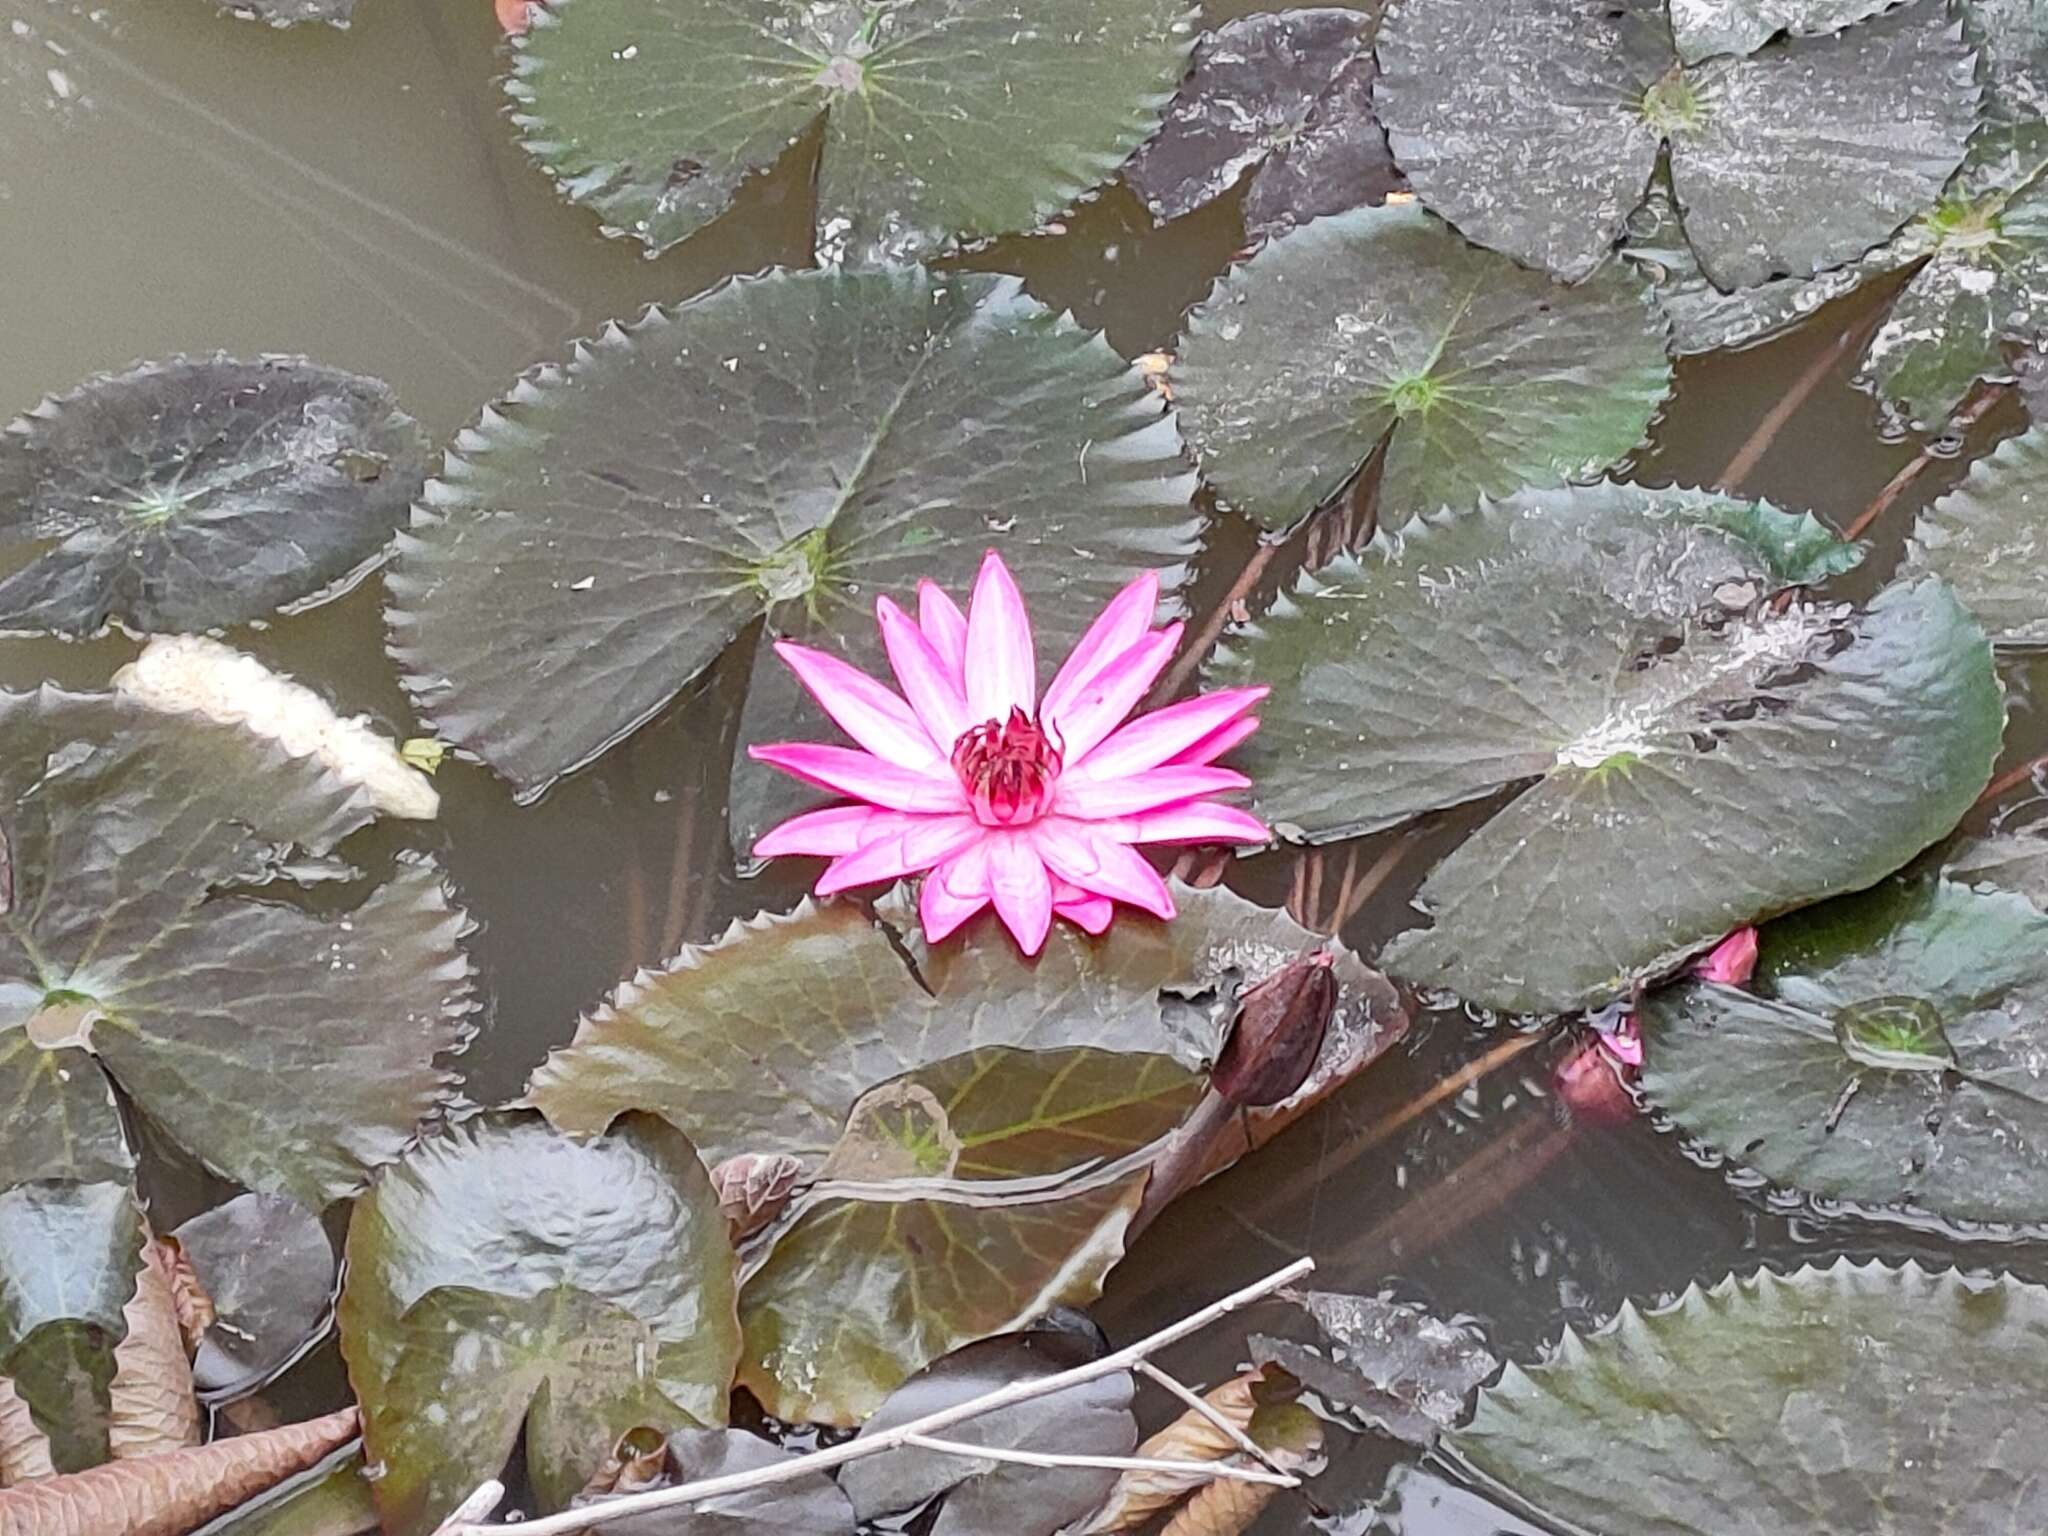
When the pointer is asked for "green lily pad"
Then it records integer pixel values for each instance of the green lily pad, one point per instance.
(1282, 101)
(1701, 28)
(2012, 859)
(1850, 1399)
(787, 446)
(939, 122)
(1988, 538)
(504, 1275)
(1603, 652)
(1534, 126)
(977, 1123)
(68, 1259)
(1890, 1054)
(200, 492)
(153, 940)
(1381, 325)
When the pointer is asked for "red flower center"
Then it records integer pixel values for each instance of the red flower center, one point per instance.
(1008, 768)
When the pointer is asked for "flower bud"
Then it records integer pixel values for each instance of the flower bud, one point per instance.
(1278, 1032)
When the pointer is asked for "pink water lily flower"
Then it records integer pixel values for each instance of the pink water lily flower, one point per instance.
(998, 794)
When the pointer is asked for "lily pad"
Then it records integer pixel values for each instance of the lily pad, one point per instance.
(1890, 1054)
(1382, 326)
(2012, 859)
(1702, 28)
(1853, 1398)
(290, 13)
(269, 1270)
(200, 492)
(153, 940)
(1988, 538)
(1534, 126)
(788, 446)
(808, 1502)
(506, 1276)
(1092, 1419)
(69, 1254)
(1286, 97)
(1602, 652)
(940, 122)
(978, 1123)
(330, 1498)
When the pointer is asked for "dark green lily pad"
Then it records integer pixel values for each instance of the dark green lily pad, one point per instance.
(1534, 126)
(1854, 1398)
(1092, 1419)
(68, 1258)
(1702, 28)
(1383, 325)
(1603, 651)
(505, 1275)
(1988, 538)
(969, 1125)
(152, 938)
(2012, 859)
(1891, 1053)
(1285, 99)
(269, 1270)
(940, 121)
(200, 492)
(790, 446)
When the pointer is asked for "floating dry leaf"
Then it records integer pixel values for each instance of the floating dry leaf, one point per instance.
(188, 1293)
(151, 1406)
(1196, 1439)
(169, 1494)
(24, 1449)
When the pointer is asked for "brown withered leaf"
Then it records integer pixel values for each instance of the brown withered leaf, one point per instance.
(1277, 1037)
(172, 1493)
(637, 1462)
(1196, 1440)
(753, 1187)
(151, 1406)
(24, 1449)
(188, 1294)
(1292, 1441)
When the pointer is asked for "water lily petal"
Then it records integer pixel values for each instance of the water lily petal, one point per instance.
(1196, 821)
(872, 715)
(830, 832)
(848, 771)
(1098, 707)
(1071, 850)
(1121, 625)
(931, 686)
(1098, 801)
(946, 627)
(1002, 671)
(1020, 887)
(911, 844)
(954, 892)
(1732, 961)
(1091, 914)
(1217, 742)
(1151, 739)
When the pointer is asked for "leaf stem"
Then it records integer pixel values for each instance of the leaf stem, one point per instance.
(1973, 410)
(903, 1434)
(1212, 626)
(1758, 443)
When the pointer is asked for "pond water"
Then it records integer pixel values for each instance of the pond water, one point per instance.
(172, 182)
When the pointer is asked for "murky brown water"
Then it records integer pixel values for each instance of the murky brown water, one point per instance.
(174, 181)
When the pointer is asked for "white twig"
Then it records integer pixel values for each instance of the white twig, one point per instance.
(968, 1448)
(903, 1434)
(487, 1498)
(1214, 1415)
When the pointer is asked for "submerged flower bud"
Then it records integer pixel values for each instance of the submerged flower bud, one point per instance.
(1278, 1033)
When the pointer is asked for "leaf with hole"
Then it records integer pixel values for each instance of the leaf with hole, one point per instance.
(1382, 326)
(1889, 1055)
(789, 447)
(199, 492)
(1782, 1403)
(1602, 655)
(69, 1254)
(505, 1277)
(936, 123)
(157, 940)
(1534, 126)
(1280, 101)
